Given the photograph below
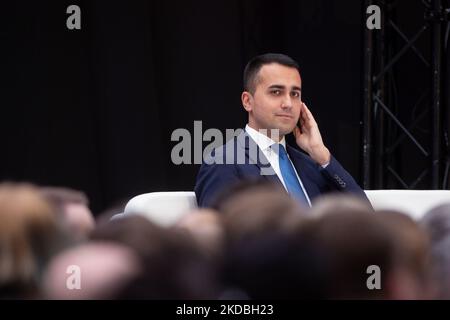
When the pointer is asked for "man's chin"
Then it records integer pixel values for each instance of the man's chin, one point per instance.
(286, 130)
(281, 131)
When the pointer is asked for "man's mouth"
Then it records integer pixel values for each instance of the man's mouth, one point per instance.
(287, 116)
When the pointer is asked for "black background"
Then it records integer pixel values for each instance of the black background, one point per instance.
(94, 109)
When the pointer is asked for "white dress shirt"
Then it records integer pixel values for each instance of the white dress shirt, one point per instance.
(265, 143)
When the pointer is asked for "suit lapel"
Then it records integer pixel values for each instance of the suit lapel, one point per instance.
(303, 172)
(255, 156)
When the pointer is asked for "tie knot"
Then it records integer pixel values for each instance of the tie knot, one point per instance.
(279, 149)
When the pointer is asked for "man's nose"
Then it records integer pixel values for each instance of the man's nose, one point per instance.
(287, 102)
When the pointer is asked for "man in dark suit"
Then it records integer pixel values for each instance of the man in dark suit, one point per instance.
(272, 98)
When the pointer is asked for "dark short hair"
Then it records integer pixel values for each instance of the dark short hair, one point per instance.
(59, 196)
(254, 65)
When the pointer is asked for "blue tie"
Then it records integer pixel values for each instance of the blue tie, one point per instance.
(288, 173)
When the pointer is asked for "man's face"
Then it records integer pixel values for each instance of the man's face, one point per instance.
(276, 102)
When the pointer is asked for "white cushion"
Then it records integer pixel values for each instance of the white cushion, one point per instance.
(162, 208)
(415, 203)
(165, 208)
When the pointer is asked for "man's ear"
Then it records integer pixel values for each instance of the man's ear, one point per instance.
(247, 100)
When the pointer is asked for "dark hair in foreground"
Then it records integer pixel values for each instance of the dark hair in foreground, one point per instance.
(255, 64)
(58, 196)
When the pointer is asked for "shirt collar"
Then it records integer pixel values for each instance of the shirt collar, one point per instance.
(263, 141)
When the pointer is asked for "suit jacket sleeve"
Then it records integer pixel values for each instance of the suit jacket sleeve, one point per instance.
(340, 180)
(211, 180)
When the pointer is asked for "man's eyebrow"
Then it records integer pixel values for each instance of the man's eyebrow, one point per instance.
(277, 86)
(280, 86)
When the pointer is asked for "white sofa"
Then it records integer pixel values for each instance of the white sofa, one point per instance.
(415, 203)
(165, 208)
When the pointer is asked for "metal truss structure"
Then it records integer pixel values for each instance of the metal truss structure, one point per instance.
(405, 141)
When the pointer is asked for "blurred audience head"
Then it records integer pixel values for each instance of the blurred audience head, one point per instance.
(351, 241)
(252, 208)
(29, 237)
(359, 243)
(412, 258)
(135, 232)
(436, 223)
(96, 270)
(206, 228)
(339, 202)
(173, 265)
(261, 258)
(274, 265)
(72, 209)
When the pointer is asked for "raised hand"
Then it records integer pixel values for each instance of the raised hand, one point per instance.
(308, 137)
